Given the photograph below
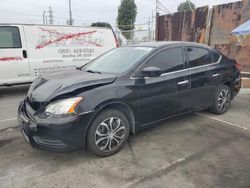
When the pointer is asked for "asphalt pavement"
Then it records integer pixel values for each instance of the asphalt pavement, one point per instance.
(195, 150)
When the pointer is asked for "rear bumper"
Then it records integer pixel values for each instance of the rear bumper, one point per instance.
(237, 86)
(60, 135)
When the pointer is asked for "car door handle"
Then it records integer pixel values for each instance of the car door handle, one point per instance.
(183, 82)
(216, 75)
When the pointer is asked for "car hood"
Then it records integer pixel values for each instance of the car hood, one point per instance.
(49, 86)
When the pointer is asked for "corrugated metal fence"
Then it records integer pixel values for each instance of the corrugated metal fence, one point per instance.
(187, 26)
(212, 27)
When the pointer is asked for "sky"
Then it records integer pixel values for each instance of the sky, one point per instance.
(84, 11)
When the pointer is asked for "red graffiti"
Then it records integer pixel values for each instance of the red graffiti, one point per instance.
(50, 31)
(11, 58)
(65, 37)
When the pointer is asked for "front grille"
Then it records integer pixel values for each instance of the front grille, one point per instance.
(35, 105)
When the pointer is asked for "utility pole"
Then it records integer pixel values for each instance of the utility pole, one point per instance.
(156, 20)
(131, 34)
(149, 30)
(51, 20)
(159, 7)
(189, 5)
(70, 14)
(156, 6)
(44, 12)
(153, 26)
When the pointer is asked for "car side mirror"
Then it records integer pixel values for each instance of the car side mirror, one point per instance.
(151, 72)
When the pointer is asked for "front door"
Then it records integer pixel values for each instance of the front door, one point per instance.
(14, 64)
(164, 96)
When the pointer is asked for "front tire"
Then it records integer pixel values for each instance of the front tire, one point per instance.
(222, 100)
(108, 133)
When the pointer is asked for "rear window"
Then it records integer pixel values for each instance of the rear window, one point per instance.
(215, 55)
(198, 56)
(10, 37)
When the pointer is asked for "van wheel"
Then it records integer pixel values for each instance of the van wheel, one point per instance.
(108, 133)
(222, 100)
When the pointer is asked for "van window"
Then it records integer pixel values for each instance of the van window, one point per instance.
(167, 60)
(198, 56)
(10, 37)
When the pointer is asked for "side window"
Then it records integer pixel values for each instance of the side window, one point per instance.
(168, 60)
(215, 55)
(10, 37)
(198, 56)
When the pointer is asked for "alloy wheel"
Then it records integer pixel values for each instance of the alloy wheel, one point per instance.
(224, 99)
(110, 134)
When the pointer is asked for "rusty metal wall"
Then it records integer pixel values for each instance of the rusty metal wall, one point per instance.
(186, 26)
(240, 53)
(193, 25)
(212, 28)
(225, 18)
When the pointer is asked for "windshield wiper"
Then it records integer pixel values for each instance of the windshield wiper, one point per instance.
(96, 72)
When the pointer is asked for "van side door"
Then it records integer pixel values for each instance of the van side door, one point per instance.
(14, 64)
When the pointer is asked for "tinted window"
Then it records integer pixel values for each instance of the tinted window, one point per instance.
(9, 37)
(198, 56)
(168, 60)
(215, 55)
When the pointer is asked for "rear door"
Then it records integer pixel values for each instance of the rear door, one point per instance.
(164, 96)
(205, 76)
(14, 64)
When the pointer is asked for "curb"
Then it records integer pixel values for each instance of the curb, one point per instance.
(245, 74)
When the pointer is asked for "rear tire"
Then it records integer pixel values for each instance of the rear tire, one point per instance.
(108, 133)
(222, 100)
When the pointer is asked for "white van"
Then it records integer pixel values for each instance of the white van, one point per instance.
(26, 51)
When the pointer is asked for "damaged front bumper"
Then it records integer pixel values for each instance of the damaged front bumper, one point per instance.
(55, 134)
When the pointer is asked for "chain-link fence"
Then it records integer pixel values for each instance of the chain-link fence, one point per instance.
(137, 35)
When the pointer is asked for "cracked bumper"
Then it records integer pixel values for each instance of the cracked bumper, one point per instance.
(60, 135)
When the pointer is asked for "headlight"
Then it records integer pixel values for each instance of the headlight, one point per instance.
(62, 107)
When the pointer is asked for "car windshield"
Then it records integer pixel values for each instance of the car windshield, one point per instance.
(117, 60)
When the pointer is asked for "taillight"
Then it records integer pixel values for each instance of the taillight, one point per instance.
(238, 66)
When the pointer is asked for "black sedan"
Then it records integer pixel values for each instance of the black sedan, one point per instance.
(100, 104)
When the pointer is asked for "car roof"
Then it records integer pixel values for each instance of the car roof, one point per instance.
(162, 44)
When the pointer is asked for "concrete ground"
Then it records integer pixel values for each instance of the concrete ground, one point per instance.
(197, 150)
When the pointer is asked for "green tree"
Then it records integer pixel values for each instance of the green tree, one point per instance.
(101, 24)
(127, 12)
(187, 5)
